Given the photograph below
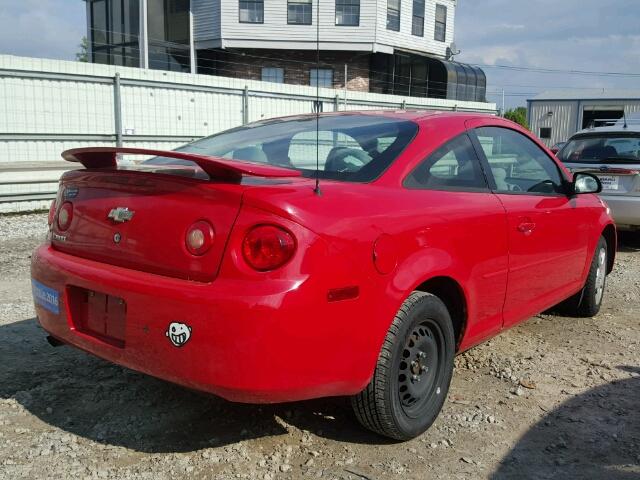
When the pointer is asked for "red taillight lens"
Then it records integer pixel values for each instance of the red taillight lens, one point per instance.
(199, 238)
(267, 247)
(52, 212)
(65, 215)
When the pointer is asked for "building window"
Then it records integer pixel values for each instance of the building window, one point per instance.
(441, 23)
(417, 22)
(348, 12)
(251, 11)
(169, 35)
(545, 133)
(115, 29)
(321, 77)
(274, 75)
(299, 12)
(393, 15)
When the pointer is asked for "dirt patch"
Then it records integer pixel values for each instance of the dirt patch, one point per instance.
(552, 398)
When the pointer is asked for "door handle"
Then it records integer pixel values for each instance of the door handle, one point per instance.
(526, 227)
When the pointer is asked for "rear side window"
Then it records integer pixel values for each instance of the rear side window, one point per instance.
(454, 166)
(517, 164)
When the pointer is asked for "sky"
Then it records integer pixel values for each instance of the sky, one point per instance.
(42, 28)
(589, 35)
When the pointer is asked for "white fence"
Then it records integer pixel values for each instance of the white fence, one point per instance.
(47, 106)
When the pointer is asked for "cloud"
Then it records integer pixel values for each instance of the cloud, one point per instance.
(586, 35)
(42, 28)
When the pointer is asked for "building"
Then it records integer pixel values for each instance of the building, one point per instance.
(556, 115)
(401, 47)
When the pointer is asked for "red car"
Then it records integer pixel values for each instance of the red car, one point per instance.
(235, 266)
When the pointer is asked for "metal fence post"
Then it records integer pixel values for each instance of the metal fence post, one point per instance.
(336, 104)
(117, 109)
(245, 105)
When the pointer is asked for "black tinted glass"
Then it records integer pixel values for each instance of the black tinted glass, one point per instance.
(612, 148)
(355, 148)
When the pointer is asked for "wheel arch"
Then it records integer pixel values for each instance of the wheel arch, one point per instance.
(610, 235)
(452, 295)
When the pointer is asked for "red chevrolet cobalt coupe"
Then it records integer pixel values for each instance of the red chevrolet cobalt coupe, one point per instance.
(223, 266)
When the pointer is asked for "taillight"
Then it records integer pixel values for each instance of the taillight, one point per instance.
(267, 247)
(52, 213)
(199, 238)
(65, 215)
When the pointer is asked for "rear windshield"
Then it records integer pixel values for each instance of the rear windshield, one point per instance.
(610, 148)
(355, 148)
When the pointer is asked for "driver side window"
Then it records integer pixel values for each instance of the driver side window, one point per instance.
(517, 164)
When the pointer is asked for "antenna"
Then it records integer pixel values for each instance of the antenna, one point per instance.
(317, 188)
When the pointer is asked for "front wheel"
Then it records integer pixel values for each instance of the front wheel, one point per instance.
(413, 373)
(587, 302)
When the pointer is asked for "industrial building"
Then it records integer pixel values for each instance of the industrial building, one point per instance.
(398, 47)
(556, 115)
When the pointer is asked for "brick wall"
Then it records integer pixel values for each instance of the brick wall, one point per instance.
(295, 63)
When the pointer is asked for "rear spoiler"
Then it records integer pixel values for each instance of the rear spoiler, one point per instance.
(215, 167)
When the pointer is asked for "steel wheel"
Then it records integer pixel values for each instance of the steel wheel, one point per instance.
(601, 274)
(414, 369)
(418, 371)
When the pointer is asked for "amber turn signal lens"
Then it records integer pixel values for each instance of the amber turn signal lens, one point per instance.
(267, 247)
(199, 238)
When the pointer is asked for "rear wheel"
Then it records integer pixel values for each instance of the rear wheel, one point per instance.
(587, 302)
(413, 373)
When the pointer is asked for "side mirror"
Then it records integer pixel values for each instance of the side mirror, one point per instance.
(586, 183)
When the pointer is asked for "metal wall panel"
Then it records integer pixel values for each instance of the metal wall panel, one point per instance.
(567, 115)
(562, 120)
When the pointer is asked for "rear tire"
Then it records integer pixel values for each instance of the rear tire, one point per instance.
(413, 373)
(587, 302)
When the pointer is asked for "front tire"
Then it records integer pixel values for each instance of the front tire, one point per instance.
(413, 373)
(587, 302)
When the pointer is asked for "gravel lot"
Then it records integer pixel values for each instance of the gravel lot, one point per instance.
(552, 398)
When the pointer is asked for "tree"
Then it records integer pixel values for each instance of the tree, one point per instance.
(83, 54)
(518, 115)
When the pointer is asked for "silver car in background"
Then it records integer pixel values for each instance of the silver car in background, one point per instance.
(612, 153)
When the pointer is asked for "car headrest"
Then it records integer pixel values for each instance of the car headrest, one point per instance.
(250, 154)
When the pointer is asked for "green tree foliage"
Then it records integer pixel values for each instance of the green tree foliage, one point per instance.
(518, 115)
(83, 53)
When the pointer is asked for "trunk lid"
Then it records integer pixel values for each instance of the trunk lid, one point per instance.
(162, 209)
(138, 218)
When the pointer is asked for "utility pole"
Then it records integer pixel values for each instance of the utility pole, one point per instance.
(503, 104)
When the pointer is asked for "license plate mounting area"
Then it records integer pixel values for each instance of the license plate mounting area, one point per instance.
(98, 314)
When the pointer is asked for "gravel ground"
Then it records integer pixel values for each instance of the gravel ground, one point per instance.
(552, 398)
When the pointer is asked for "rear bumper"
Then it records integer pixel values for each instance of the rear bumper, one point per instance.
(625, 210)
(256, 343)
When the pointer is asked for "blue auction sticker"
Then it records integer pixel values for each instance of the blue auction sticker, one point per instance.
(45, 296)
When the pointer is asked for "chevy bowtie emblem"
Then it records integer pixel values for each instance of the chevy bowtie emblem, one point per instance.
(120, 214)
